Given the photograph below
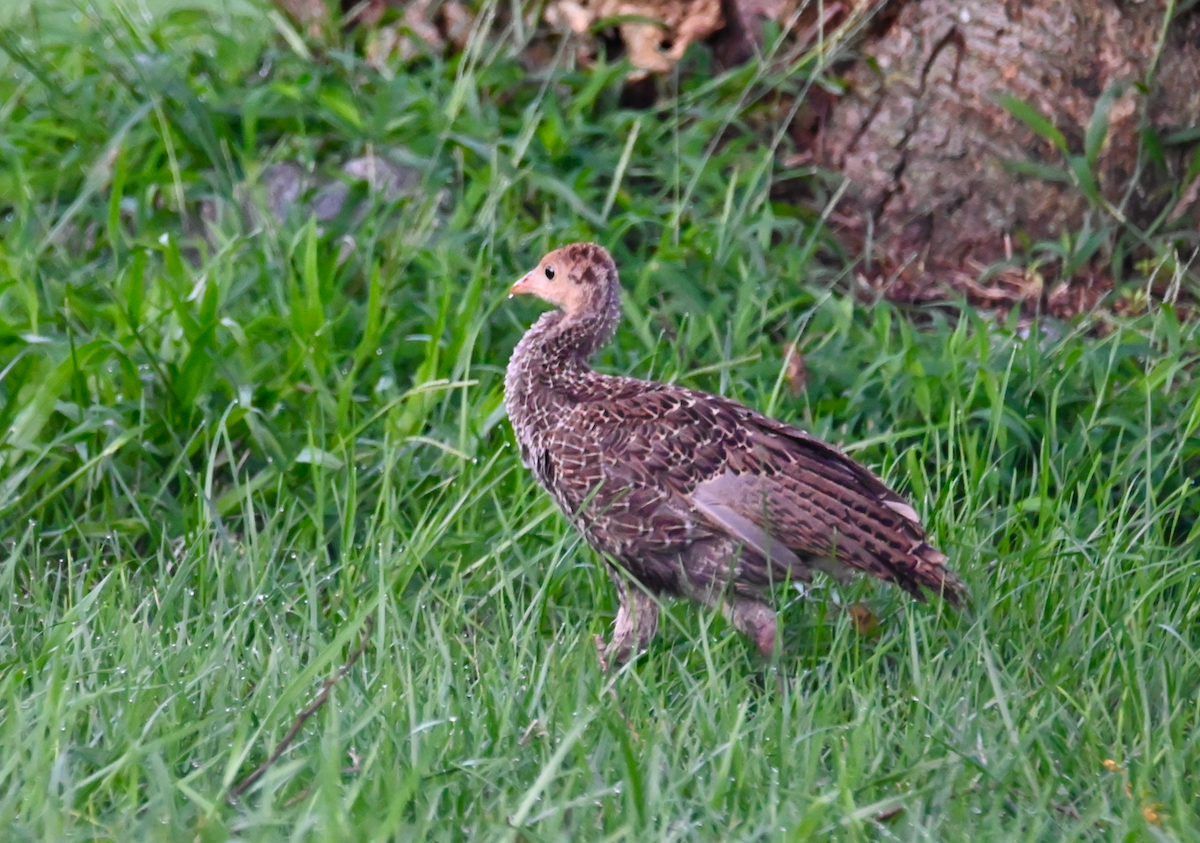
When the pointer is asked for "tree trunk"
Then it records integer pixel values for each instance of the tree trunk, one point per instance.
(946, 181)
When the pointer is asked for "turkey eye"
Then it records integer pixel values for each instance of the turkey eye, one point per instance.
(550, 273)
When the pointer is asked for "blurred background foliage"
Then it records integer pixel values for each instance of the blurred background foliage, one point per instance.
(157, 314)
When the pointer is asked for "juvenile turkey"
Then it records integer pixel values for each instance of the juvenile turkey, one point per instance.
(689, 494)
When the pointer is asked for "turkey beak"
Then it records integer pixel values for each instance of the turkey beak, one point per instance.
(526, 286)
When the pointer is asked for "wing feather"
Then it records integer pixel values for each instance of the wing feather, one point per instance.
(782, 493)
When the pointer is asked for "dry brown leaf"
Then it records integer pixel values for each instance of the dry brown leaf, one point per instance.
(312, 14)
(794, 369)
(417, 20)
(656, 33)
(864, 620)
(366, 13)
(456, 23)
(535, 729)
(427, 25)
(889, 815)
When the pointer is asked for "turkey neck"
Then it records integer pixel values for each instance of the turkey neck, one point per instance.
(549, 367)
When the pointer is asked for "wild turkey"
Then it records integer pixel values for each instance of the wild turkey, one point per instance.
(687, 493)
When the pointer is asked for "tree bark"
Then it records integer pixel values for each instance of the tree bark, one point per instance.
(946, 182)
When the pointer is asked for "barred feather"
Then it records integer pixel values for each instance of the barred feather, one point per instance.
(691, 493)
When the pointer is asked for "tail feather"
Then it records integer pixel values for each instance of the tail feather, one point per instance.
(927, 567)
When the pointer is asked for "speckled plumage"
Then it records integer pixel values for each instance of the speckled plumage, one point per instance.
(689, 493)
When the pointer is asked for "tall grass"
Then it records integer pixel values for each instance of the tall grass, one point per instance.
(229, 439)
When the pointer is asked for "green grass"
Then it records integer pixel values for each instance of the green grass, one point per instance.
(222, 453)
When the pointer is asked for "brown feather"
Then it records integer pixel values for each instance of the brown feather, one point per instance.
(691, 493)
